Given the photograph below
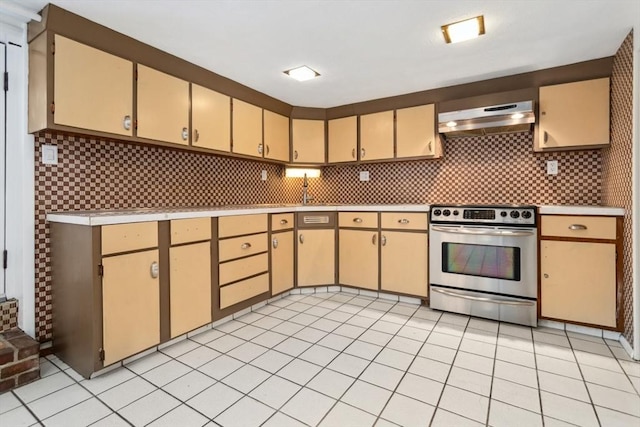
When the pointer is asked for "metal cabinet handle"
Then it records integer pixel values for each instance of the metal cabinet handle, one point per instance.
(284, 222)
(403, 221)
(577, 227)
(546, 276)
(196, 135)
(357, 220)
(383, 240)
(154, 270)
(374, 239)
(430, 150)
(546, 137)
(245, 245)
(363, 153)
(295, 154)
(259, 148)
(126, 122)
(301, 238)
(185, 134)
(275, 243)
(353, 153)
(267, 149)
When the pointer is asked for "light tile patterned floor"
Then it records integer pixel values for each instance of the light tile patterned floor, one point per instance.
(338, 359)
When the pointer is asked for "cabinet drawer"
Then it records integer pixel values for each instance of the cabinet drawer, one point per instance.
(238, 292)
(586, 227)
(242, 246)
(190, 230)
(245, 267)
(281, 221)
(358, 219)
(241, 224)
(129, 237)
(405, 221)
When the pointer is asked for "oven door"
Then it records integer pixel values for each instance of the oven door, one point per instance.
(500, 260)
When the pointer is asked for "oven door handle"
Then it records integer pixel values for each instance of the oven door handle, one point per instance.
(482, 231)
(483, 299)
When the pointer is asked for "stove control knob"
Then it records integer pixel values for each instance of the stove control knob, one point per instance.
(503, 214)
(455, 213)
(515, 214)
(437, 212)
(446, 212)
(526, 214)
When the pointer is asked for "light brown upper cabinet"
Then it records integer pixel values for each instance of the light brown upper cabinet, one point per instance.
(276, 136)
(210, 119)
(92, 89)
(308, 141)
(376, 136)
(574, 115)
(247, 129)
(343, 140)
(163, 106)
(415, 132)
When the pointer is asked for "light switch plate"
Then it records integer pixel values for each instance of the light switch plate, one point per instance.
(364, 175)
(49, 154)
(552, 167)
(263, 175)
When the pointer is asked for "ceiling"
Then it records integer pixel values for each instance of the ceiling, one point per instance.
(363, 49)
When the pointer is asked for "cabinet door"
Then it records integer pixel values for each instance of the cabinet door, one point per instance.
(404, 263)
(276, 136)
(316, 257)
(415, 131)
(247, 129)
(574, 115)
(210, 119)
(343, 140)
(92, 89)
(376, 136)
(578, 282)
(281, 262)
(308, 141)
(163, 106)
(358, 258)
(130, 305)
(190, 287)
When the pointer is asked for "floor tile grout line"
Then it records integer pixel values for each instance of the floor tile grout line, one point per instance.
(26, 407)
(584, 383)
(493, 375)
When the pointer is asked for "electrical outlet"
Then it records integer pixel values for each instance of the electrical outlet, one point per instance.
(263, 175)
(364, 175)
(49, 154)
(552, 167)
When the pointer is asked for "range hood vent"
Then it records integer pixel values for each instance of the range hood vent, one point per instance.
(496, 119)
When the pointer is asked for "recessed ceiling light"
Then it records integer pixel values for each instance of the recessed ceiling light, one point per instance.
(517, 116)
(463, 30)
(452, 124)
(302, 73)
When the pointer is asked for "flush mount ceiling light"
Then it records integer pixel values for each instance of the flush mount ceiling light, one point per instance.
(302, 73)
(463, 30)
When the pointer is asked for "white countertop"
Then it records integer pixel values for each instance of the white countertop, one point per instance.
(108, 217)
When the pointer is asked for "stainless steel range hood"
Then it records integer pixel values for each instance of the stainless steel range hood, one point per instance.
(495, 119)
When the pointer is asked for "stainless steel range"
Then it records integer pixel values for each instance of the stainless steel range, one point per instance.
(483, 261)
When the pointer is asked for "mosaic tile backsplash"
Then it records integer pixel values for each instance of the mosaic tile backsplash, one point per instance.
(104, 174)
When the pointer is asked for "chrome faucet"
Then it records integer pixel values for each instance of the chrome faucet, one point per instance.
(306, 198)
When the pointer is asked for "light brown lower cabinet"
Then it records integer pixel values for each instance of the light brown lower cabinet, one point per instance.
(316, 257)
(130, 304)
(358, 258)
(404, 262)
(281, 262)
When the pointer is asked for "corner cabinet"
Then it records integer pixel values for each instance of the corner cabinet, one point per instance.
(580, 270)
(308, 139)
(276, 136)
(574, 115)
(163, 106)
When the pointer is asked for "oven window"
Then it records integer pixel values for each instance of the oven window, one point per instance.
(499, 262)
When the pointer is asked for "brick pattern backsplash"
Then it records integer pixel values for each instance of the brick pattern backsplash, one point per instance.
(617, 165)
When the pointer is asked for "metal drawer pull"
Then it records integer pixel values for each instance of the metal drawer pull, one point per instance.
(301, 238)
(577, 227)
(353, 153)
(429, 151)
(126, 123)
(481, 231)
(546, 276)
(403, 221)
(363, 153)
(374, 239)
(483, 299)
(546, 137)
(383, 240)
(284, 222)
(185, 134)
(295, 154)
(267, 149)
(275, 243)
(357, 220)
(246, 245)
(196, 135)
(154, 270)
